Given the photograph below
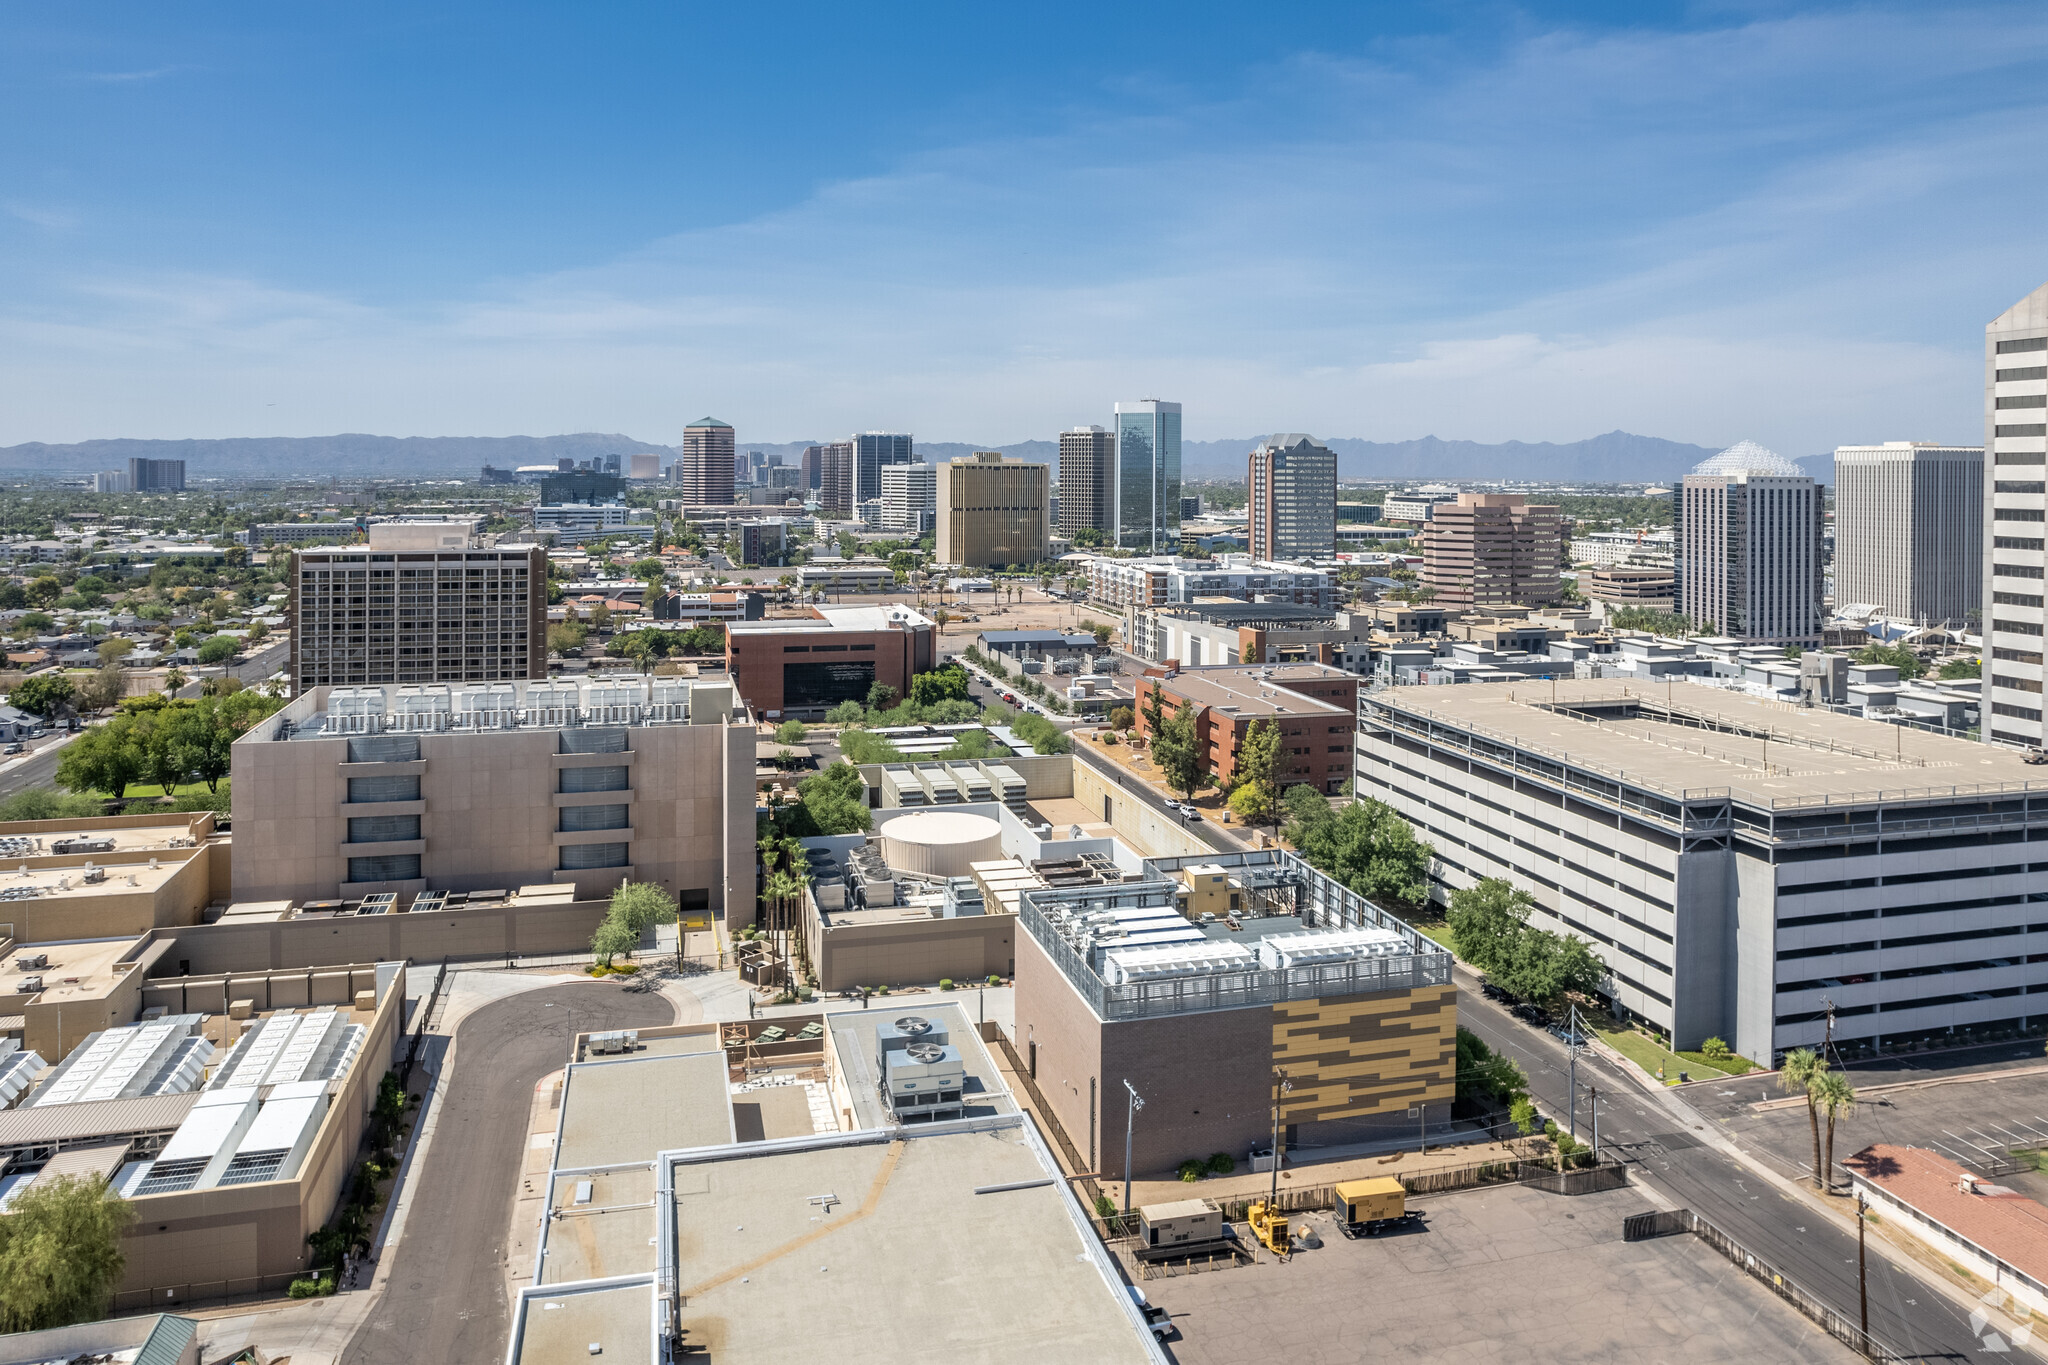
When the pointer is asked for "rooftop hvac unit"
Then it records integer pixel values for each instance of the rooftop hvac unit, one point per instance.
(614, 1042)
(84, 843)
(897, 1034)
(553, 705)
(355, 710)
(28, 985)
(612, 703)
(1324, 947)
(923, 1080)
(423, 709)
(670, 701)
(31, 962)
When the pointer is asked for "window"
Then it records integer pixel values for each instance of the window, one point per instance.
(2024, 400)
(2015, 543)
(576, 818)
(2016, 570)
(2022, 429)
(2016, 712)
(395, 867)
(583, 857)
(2023, 344)
(2018, 656)
(2029, 372)
(382, 829)
(2017, 514)
(2016, 627)
(614, 779)
(362, 789)
(2013, 685)
(2021, 457)
(2014, 486)
(2016, 599)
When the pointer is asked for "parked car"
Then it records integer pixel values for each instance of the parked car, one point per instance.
(17, 747)
(1529, 1014)
(1570, 1037)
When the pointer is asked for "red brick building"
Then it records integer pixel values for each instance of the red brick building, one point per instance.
(1314, 706)
(806, 666)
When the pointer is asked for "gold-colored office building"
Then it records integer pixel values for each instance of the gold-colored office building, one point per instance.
(993, 511)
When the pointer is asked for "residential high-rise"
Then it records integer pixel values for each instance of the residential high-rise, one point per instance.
(707, 464)
(2016, 442)
(1490, 550)
(1148, 476)
(1909, 530)
(369, 614)
(992, 511)
(873, 451)
(835, 479)
(1087, 493)
(811, 462)
(155, 476)
(910, 497)
(1292, 499)
(1750, 528)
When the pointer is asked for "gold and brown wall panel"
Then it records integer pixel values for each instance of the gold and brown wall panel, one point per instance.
(1359, 1055)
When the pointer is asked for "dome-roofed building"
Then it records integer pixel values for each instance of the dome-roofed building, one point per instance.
(1750, 537)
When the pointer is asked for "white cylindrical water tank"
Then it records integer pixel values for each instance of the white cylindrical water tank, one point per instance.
(940, 843)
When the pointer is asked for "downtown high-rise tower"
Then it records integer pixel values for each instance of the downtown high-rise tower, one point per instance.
(1147, 483)
(2015, 448)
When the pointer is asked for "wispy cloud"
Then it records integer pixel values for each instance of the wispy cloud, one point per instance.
(40, 215)
(1698, 235)
(154, 73)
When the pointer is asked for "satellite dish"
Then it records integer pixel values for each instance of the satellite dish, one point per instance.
(913, 1024)
(924, 1052)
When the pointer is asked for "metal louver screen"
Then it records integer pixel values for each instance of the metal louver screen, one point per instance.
(594, 779)
(362, 789)
(383, 748)
(605, 739)
(575, 818)
(577, 857)
(396, 867)
(382, 829)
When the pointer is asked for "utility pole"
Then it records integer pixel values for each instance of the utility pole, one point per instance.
(1862, 1282)
(1281, 1086)
(1130, 1122)
(1593, 1103)
(1572, 1046)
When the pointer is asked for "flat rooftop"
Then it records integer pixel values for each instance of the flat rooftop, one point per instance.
(853, 1036)
(871, 1251)
(626, 1109)
(38, 838)
(1689, 737)
(1253, 694)
(565, 1325)
(77, 971)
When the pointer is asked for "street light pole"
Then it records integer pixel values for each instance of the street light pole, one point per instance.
(1281, 1086)
(1130, 1122)
(1862, 1284)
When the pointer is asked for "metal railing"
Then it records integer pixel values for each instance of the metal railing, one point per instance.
(1667, 1223)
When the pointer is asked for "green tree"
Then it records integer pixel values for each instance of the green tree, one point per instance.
(43, 695)
(1306, 809)
(1898, 656)
(939, 684)
(971, 745)
(1368, 847)
(864, 746)
(640, 906)
(846, 713)
(612, 940)
(835, 800)
(1258, 772)
(1041, 734)
(115, 649)
(1121, 718)
(880, 696)
(1486, 1075)
(1961, 668)
(102, 689)
(218, 650)
(60, 1253)
(1486, 919)
(1798, 1074)
(790, 732)
(564, 636)
(45, 803)
(1177, 749)
(105, 758)
(44, 591)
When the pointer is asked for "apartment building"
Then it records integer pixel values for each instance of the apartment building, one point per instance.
(1909, 530)
(1494, 550)
(705, 470)
(1087, 481)
(353, 790)
(1167, 580)
(993, 511)
(1312, 705)
(155, 476)
(1292, 505)
(2016, 437)
(1414, 508)
(1738, 864)
(1751, 534)
(836, 465)
(372, 614)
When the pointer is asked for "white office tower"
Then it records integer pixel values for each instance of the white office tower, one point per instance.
(1147, 482)
(1909, 531)
(909, 497)
(1750, 546)
(2015, 439)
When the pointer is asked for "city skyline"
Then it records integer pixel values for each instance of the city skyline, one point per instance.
(1686, 223)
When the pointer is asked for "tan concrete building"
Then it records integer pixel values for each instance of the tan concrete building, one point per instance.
(1087, 481)
(1494, 550)
(993, 511)
(705, 470)
(355, 790)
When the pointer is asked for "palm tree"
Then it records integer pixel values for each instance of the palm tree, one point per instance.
(1801, 1068)
(173, 680)
(1832, 1094)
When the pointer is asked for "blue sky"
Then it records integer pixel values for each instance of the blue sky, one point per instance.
(1490, 222)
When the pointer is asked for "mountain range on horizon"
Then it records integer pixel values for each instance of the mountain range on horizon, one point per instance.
(1616, 457)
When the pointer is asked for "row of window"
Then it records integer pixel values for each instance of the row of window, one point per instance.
(2022, 429)
(2011, 712)
(2021, 375)
(1900, 911)
(2016, 684)
(2023, 400)
(2017, 656)
(2016, 627)
(2016, 571)
(2017, 514)
(2023, 344)
(2016, 543)
(2017, 599)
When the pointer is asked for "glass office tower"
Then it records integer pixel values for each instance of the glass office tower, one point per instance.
(1148, 476)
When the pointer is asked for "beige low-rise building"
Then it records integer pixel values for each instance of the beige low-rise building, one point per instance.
(351, 791)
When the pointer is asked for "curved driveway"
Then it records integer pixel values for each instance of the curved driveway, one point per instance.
(445, 1297)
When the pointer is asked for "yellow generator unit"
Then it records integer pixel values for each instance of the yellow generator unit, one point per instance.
(1270, 1227)
(1368, 1207)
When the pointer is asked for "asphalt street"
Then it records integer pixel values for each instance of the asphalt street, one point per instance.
(1912, 1318)
(38, 769)
(446, 1297)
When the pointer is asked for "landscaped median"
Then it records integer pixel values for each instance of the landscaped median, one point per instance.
(1650, 1055)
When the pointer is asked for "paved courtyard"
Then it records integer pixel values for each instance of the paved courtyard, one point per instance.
(1507, 1273)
